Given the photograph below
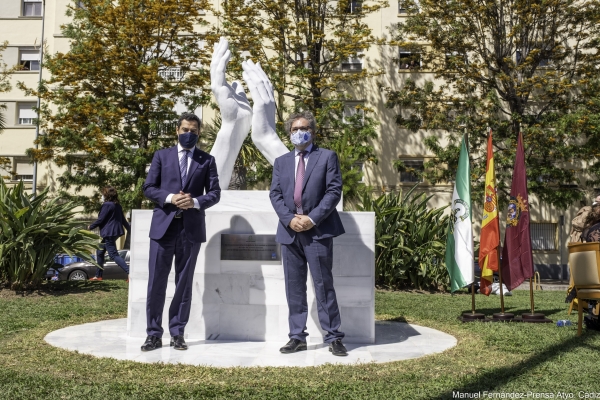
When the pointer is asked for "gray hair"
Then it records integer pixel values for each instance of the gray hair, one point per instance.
(297, 115)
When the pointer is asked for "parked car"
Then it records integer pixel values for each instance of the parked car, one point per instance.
(83, 270)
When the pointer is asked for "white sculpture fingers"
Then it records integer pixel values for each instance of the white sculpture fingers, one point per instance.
(264, 134)
(236, 114)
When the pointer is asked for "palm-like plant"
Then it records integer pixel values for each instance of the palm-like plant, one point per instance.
(410, 241)
(33, 230)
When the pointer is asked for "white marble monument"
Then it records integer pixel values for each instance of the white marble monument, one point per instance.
(245, 300)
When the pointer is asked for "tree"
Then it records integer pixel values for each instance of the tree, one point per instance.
(302, 46)
(506, 65)
(109, 102)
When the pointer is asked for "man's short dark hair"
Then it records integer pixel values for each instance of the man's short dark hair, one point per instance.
(302, 114)
(189, 117)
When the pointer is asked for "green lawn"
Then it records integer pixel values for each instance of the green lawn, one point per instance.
(489, 357)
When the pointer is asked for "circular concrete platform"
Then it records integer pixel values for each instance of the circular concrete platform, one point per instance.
(394, 341)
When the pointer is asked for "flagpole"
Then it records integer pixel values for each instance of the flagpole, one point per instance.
(533, 316)
(473, 297)
(531, 295)
(500, 280)
(472, 316)
(501, 316)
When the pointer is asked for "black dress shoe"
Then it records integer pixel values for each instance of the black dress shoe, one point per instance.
(337, 348)
(152, 343)
(293, 346)
(178, 343)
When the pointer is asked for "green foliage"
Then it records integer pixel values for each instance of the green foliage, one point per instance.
(109, 100)
(33, 230)
(350, 138)
(410, 241)
(301, 46)
(509, 66)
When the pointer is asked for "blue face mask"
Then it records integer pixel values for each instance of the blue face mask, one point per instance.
(299, 138)
(187, 140)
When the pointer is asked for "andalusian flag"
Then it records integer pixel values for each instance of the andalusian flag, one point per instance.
(459, 246)
(490, 226)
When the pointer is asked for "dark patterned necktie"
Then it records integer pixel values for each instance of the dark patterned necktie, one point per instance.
(183, 165)
(299, 182)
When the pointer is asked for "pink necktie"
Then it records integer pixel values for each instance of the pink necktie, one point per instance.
(299, 183)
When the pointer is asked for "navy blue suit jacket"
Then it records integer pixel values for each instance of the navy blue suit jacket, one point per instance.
(164, 178)
(111, 220)
(322, 191)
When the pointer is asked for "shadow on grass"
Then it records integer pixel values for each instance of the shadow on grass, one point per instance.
(498, 377)
(517, 312)
(62, 288)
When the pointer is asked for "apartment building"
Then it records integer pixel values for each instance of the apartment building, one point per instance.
(21, 25)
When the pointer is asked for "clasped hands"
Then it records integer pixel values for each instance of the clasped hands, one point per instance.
(237, 115)
(301, 223)
(183, 200)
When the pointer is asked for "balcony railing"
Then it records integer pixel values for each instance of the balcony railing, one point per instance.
(171, 74)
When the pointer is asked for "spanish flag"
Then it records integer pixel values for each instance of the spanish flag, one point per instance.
(490, 226)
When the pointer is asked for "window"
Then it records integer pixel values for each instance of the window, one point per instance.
(27, 114)
(22, 169)
(29, 60)
(542, 54)
(171, 74)
(32, 8)
(412, 172)
(352, 108)
(409, 59)
(543, 235)
(404, 5)
(354, 6)
(352, 64)
(302, 58)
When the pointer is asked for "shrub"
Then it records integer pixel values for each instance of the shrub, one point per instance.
(410, 241)
(32, 231)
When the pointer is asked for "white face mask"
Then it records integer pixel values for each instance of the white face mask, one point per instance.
(300, 137)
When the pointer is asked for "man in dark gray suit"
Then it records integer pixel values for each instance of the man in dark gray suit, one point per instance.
(306, 187)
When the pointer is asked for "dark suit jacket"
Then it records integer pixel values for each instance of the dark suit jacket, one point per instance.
(321, 192)
(111, 220)
(164, 178)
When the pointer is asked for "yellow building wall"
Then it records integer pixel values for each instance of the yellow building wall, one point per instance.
(391, 143)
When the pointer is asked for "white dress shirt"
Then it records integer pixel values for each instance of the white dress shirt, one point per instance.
(180, 150)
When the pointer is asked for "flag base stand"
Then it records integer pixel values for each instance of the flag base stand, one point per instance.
(473, 317)
(534, 318)
(503, 317)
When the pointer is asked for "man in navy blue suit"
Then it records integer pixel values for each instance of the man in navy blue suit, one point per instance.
(182, 182)
(306, 187)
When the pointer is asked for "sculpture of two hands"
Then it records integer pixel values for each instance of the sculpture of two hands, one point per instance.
(237, 115)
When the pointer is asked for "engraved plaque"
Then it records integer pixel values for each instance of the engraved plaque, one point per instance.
(250, 247)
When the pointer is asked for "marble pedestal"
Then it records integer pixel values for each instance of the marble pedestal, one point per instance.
(245, 300)
(394, 341)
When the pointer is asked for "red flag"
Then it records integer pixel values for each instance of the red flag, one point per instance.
(517, 259)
